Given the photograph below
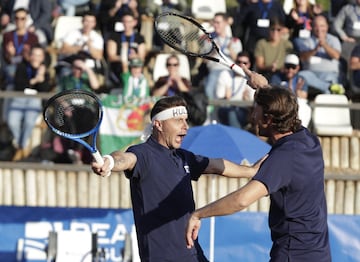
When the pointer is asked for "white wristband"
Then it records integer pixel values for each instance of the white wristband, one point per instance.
(112, 163)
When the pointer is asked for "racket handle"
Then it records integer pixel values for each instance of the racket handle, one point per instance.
(238, 70)
(98, 158)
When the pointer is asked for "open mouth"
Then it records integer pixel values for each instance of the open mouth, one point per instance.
(180, 138)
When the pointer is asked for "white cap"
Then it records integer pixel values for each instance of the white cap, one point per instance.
(292, 59)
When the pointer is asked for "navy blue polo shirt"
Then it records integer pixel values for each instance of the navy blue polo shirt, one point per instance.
(162, 199)
(294, 176)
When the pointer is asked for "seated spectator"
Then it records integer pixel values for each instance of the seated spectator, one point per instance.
(111, 12)
(300, 18)
(270, 52)
(230, 46)
(320, 54)
(86, 41)
(134, 82)
(38, 19)
(231, 86)
(289, 78)
(255, 19)
(30, 77)
(172, 83)
(122, 46)
(81, 77)
(16, 46)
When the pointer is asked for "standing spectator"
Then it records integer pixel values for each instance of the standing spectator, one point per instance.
(172, 83)
(255, 19)
(231, 86)
(38, 21)
(122, 46)
(300, 18)
(134, 82)
(230, 46)
(292, 176)
(30, 77)
(161, 174)
(81, 77)
(320, 56)
(289, 78)
(270, 52)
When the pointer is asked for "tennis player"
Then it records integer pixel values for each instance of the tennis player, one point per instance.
(293, 177)
(160, 174)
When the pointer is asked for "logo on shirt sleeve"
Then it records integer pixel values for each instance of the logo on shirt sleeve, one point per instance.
(187, 169)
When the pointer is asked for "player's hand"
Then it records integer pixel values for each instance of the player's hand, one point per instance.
(255, 80)
(102, 170)
(258, 163)
(192, 230)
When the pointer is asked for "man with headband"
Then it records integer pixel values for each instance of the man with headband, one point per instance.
(160, 174)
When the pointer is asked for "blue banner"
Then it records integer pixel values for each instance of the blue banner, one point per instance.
(244, 236)
(25, 230)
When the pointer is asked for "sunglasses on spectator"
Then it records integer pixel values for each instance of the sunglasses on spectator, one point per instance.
(290, 66)
(22, 18)
(278, 29)
(169, 64)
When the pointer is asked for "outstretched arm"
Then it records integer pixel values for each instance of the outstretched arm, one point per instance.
(229, 169)
(116, 161)
(234, 202)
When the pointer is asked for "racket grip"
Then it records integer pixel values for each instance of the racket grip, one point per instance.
(238, 70)
(98, 158)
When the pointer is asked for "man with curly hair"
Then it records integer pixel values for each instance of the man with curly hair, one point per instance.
(293, 177)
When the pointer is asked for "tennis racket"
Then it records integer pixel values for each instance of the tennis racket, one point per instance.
(189, 37)
(76, 115)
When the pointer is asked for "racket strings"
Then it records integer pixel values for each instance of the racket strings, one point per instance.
(73, 114)
(183, 34)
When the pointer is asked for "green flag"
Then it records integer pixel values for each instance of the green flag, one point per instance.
(123, 122)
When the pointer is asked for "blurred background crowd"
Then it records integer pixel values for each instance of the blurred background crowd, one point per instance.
(110, 47)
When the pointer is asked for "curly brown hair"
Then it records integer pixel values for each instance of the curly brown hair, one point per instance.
(280, 104)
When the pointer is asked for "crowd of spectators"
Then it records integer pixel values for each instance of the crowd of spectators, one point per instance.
(306, 48)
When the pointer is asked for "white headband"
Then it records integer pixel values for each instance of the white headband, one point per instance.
(170, 113)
